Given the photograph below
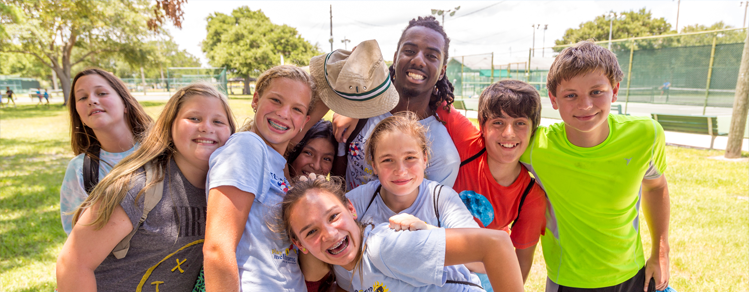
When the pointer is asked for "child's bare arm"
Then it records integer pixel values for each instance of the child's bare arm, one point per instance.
(492, 247)
(656, 207)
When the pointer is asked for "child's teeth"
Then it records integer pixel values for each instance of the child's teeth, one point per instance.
(277, 126)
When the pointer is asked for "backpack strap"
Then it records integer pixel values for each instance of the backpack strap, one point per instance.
(340, 163)
(91, 168)
(522, 200)
(152, 197)
(436, 195)
(374, 195)
(472, 158)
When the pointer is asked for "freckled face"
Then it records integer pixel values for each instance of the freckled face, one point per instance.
(281, 111)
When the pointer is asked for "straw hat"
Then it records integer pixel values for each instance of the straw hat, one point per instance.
(355, 84)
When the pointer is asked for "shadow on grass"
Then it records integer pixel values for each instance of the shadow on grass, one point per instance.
(31, 111)
(29, 204)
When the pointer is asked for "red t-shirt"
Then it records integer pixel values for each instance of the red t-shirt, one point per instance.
(493, 205)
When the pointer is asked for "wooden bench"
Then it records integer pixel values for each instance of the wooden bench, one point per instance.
(704, 125)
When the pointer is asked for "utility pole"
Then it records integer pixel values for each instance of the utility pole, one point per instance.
(331, 28)
(740, 107)
(543, 44)
(535, 27)
(746, 4)
(345, 42)
(678, 6)
(611, 17)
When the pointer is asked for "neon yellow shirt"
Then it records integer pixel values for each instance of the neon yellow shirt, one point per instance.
(592, 237)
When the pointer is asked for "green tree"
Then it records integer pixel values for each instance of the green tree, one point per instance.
(247, 43)
(635, 24)
(64, 33)
(23, 65)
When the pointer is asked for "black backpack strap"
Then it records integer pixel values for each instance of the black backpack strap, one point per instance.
(357, 129)
(472, 158)
(464, 283)
(436, 195)
(91, 168)
(377, 191)
(522, 200)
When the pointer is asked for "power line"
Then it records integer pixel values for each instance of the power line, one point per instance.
(469, 13)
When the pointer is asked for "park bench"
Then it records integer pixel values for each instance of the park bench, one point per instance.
(704, 125)
(617, 108)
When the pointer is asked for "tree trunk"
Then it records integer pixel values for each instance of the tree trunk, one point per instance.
(247, 84)
(54, 79)
(143, 80)
(63, 75)
(740, 107)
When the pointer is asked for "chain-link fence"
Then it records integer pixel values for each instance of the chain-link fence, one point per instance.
(697, 69)
(177, 78)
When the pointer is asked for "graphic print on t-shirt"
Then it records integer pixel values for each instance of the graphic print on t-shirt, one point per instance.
(280, 182)
(479, 206)
(287, 255)
(191, 220)
(377, 287)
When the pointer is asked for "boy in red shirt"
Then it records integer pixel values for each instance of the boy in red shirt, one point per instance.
(495, 187)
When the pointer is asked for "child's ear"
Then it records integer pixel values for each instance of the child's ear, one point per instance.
(299, 246)
(255, 100)
(553, 101)
(350, 207)
(615, 89)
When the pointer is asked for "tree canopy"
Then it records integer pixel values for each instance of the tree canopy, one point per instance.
(248, 43)
(63, 33)
(635, 24)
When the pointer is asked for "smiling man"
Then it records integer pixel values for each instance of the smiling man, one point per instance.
(418, 73)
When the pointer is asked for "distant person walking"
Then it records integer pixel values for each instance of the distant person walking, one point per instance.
(665, 87)
(9, 94)
(38, 95)
(46, 96)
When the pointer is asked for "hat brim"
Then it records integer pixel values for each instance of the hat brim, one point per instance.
(365, 109)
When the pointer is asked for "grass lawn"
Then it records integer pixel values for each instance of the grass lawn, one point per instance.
(709, 206)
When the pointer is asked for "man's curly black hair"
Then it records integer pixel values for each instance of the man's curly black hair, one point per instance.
(444, 87)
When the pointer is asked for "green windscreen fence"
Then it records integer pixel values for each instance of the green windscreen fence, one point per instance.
(699, 69)
(177, 78)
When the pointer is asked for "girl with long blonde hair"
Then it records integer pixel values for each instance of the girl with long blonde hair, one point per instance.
(165, 242)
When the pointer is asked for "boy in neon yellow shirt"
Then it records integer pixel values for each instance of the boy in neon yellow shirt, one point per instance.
(597, 169)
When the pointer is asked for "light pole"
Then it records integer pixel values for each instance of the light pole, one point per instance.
(746, 4)
(535, 27)
(345, 42)
(543, 44)
(610, 18)
(443, 12)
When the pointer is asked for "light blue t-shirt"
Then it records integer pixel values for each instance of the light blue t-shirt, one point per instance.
(72, 192)
(453, 213)
(266, 261)
(444, 161)
(407, 261)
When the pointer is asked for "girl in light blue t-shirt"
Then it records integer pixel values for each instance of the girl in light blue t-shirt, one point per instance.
(407, 255)
(246, 178)
(106, 124)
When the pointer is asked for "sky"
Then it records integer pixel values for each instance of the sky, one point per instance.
(478, 27)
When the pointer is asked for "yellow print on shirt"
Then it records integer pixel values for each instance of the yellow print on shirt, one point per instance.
(377, 287)
(150, 270)
(287, 255)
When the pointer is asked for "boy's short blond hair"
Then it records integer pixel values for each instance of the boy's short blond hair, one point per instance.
(580, 59)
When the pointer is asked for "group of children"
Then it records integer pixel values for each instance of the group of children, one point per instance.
(433, 202)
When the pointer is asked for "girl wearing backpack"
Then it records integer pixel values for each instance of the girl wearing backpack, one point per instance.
(106, 124)
(398, 152)
(317, 217)
(246, 179)
(143, 225)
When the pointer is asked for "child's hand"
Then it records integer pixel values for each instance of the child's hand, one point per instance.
(408, 222)
(342, 127)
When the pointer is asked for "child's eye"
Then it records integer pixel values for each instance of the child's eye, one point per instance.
(276, 100)
(498, 123)
(194, 119)
(334, 217)
(328, 159)
(307, 153)
(299, 110)
(596, 92)
(311, 232)
(220, 122)
(386, 160)
(411, 157)
(102, 93)
(571, 95)
(82, 98)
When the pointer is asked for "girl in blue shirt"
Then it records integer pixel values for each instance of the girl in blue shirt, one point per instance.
(316, 216)
(246, 178)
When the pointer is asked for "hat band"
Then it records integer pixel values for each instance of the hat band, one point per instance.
(357, 96)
